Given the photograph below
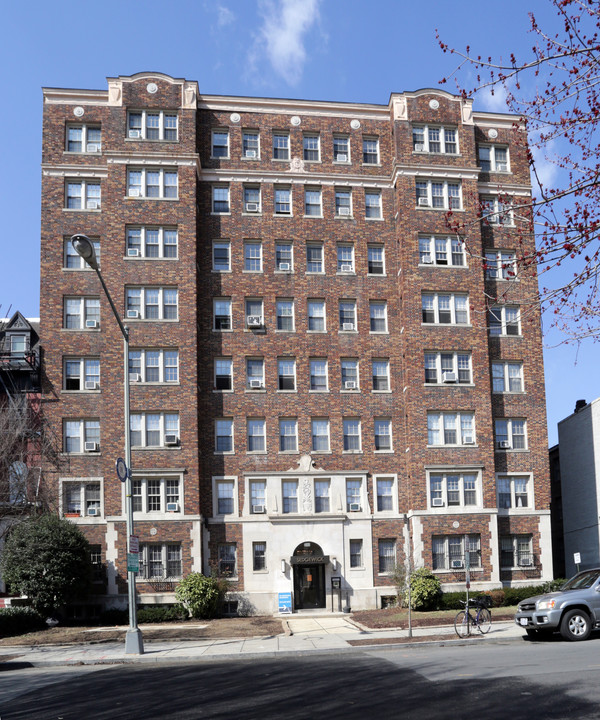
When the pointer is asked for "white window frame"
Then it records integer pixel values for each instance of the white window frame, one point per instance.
(466, 542)
(261, 423)
(313, 193)
(86, 501)
(213, 145)
(373, 210)
(317, 423)
(230, 314)
(283, 306)
(168, 424)
(87, 309)
(142, 249)
(85, 432)
(85, 140)
(383, 557)
(345, 259)
(253, 258)
(308, 150)
(516, 541)
(319, 485)
(162, 129)
(311, 305)
(257, 494)
(72, 260)
(504, 372)
(279, 204)
(162, 365)
(280, 150)
(508, 432)
(351, 424)
(374, 305)
(225, 361)
(214, 200)
(286, 363)
(432, 249)
(315, 364)
(500, 265)
(501, 325)
(494, 165)
(224, 429)
(230, 481)
(426, 140)
(164, 189)
(343, 202)
(386, 364)
(221, 244)
(142, 309)
(292, 424)
(454, 308)
(227, 554)
(255, 377)
(463, 426)
(259, 556)
(248, 191)
(441, 367)
(85, 376)
(254, 307)
(165, 493)
(442, 489)
(289, 495)
(367, 151)
(354, 487)
(344, 372)
(351, 310)
(449, 201)
(250, 144)
(318, 246)
(165, 548)
(511, 488)
(284, 250)
(382, 429)
(495, 211)
(86, 199)
(337, 137)
(370, 262)
(392, 494)
(356, 554)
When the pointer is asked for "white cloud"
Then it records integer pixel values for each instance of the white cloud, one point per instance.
(547, 170)
(224, 16)
(495, 102)
(282, 35)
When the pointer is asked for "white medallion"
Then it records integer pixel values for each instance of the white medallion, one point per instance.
(235, 117)
(152, 88)
(78, 111)
(493, 133)
(355, 124)
(434, 104)
(295, 120)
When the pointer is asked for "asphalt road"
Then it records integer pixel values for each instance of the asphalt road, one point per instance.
(504, 681)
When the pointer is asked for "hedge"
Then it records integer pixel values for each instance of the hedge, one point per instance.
(20, 620)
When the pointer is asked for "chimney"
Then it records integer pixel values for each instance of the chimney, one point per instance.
(579, 405)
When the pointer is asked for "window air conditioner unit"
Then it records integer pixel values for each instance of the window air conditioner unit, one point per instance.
(449, 377)
(133, 252)
(135, 134)
(504, 444)
(258, 509)
(423, 202)
(427, 261)
(344, 211)
(456, 563)
(468, 440)
(171, 439)
(254, 321)
(350, 385)
(93, 205)
(92, 148)
(255, 384)
(93, 512)
(251, 207)
(135, 377)
(419, 147)
(251, 153)
(525, 561)
(91, 385)
(437, 502)
(134, 192)
(133, 314)
(285, 266)
(347, 326)
(92, 324)
(342, 157)
(173, 507)
(354, 507)
(90, 446)
(346, 268)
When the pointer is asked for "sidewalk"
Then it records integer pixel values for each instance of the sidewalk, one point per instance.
(332, 633)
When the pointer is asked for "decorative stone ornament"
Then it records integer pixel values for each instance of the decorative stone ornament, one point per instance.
(153, 531)
(295, 120)
(297, 164)
(152, 88)
(235, 117)
(78, 111)
(355, 124)
(455, 524)
(434, 104)
(492, 133)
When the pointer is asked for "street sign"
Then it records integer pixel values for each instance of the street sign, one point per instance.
(133, 562)
(285, 602)
(122, 469)
(577, 558)
(134, 544)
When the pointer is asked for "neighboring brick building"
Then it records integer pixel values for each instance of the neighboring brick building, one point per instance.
(320, 387)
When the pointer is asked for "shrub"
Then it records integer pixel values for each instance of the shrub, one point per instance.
(20, 620)
(201, 595)
(162, 613)
(451, 600)
(498, 597)
(114, 616)
(425, 589)
(513, 596)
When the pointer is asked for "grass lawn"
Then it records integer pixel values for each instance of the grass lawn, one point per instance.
(398, 617)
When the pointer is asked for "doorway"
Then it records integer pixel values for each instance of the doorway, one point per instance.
(309, 586)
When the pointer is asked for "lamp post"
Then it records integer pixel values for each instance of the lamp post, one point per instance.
(84, 248)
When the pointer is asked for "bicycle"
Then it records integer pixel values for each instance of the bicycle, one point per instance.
(482, 620)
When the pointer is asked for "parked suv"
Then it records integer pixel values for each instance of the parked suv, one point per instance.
(574, 609)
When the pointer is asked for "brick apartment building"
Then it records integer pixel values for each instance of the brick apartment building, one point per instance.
(324, 380)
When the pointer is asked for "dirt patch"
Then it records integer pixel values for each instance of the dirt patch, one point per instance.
(398, 618)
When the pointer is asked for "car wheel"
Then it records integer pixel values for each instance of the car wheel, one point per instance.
(575, 625)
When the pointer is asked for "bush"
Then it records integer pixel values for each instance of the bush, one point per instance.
(451, 600)
(162, 613)
(201, 595)
(425, 589)
(513, 596)
(20, 620)
(114, 616)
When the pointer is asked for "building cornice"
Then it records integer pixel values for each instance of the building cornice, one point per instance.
(96, 171)
(433, 171)
(295, 178)
(61, 96)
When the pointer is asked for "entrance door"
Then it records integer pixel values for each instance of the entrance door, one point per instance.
(309, 586)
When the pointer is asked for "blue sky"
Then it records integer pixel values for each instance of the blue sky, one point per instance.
(346, 50)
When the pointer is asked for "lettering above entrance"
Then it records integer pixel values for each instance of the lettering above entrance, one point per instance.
(309, 553)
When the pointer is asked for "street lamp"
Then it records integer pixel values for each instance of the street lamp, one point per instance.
(84, 247)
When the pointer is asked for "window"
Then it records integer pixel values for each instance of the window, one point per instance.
(347, 314)
(383, 434)
(436, 250)
(82, 499)
(225, 497)
(254, 313)
(221, 256)
(449, 551)
(81, 436)
(156, 494)
(220, 144)
(371, 151)
(356, 553)
(224, 435)
(439, 194)
(320, 435)
(152, 125)
(223, 374)
(387, 556)
(257, 440)
(151, 242)
(343, 202)
(160, 561)
(316, 315)
(285, 315)
(281, 146)
(496, 211)
(84, 139)
(451, 367)
(513, 491)
(493, 158)
(448, 428)
(375, 260)
(286, 373)
(515, 551)
(250, 144)
(19, 345)
(258, 496)
(453, 489)
(227, 553)
(154, 429)
(255, 373)
(511, 434)
(82, 374)
(283, 200)
(349, 370)
(445, 309)
(381, 375)
(259, 556)
(72, 260)
(222, 314)
(378, 316)
(352, 435)
(220, 199)
(81, 312)
(505, 320)
(252, 199)
(83, 195)
(500, 265)
(353, 494)
(152, 303)
(341, 149)
(154, 366)
(253, 257)
(290, 496)
(312, 202)
(345, 258)
(322, 488)
(430, 139)
(152, 183)
(318, 375)
(284, 261)
(314, 258)
(507, 377)
(385, 494)
(311, 148)
(373, 204)
(288, 435)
